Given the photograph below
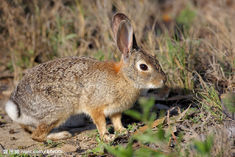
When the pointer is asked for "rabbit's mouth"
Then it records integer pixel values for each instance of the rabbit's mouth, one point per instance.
(154, 86)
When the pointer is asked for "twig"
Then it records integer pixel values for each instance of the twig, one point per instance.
(182, 114)
(2, 146)
(173, 137)
(174, 98)
(154, 124)
(6, 75)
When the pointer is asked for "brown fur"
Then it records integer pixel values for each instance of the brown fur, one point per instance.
(42, 130)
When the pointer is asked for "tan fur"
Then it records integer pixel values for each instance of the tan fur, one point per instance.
(53, 91)
(97, 114)
(116, 120)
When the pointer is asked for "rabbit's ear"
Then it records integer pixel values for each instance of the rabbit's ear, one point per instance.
(125, 37)
(117, 19)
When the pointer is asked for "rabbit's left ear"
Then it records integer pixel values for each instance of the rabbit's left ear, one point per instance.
(117, 19)
(125, 38)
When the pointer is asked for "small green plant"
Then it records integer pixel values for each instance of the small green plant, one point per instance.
(210, 101)
(51, 144)
(10, 67)
(99, 149)
(186, 17)
(204, 147)
(131, 127)
(159, 138)
(146, 116)
(99, 55)
(120, 151)
(60, 38)
(149, 137)
(148, 152)
(177, 58)
(229, 102)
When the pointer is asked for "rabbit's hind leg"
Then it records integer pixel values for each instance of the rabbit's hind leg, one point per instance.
(42, 130)
(59, 135)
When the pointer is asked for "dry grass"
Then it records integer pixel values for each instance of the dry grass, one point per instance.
(193, 40)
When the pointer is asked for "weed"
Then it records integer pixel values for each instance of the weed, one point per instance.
(120, 150)
(229, 102)
(99, 149)
(51, 144)
(131, 127)
(10, 67)
(177, 58)
(210, 102)
(146, 116)
(99, 55)
(159, 137)
(186, 17)
(204, 147)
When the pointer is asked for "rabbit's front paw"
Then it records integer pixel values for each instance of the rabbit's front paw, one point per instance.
(108, 137)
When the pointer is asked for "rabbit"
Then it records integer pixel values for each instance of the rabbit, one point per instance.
(51, 92)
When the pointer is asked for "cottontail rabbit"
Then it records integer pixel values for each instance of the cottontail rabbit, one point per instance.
(51, 92)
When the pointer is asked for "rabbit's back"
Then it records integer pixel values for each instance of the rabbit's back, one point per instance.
(52, 87)
(71, 85)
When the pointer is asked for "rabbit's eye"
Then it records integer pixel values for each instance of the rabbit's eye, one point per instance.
(143, 67)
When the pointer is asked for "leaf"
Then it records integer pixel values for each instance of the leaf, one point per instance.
(204, 147)
(70, 36)
(134, 114)
(120, 151)
(148, 152)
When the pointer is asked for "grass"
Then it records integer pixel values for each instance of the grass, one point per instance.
(193, 41)
(210, 102)
(51, 144)
(204, 148)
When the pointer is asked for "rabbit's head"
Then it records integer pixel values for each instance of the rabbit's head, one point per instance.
(138, 66)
